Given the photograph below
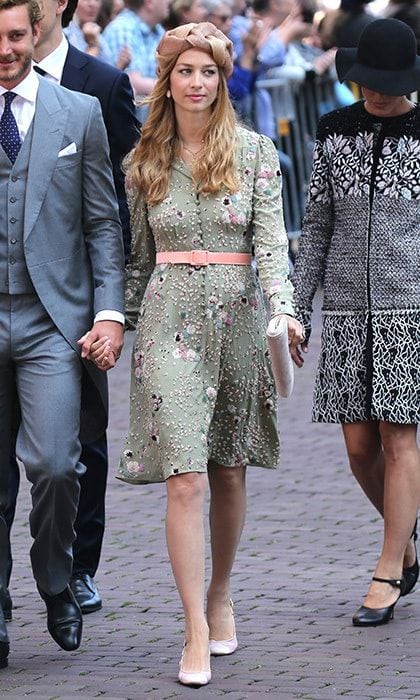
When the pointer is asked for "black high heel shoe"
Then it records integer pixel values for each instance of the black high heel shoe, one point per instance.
(411, 573)
(370, 617)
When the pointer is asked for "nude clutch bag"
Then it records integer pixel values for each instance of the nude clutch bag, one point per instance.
(281, 360)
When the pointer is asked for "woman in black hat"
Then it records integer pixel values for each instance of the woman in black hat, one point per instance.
(361, 234)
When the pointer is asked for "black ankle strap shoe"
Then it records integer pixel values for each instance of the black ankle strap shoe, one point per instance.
(371, 617)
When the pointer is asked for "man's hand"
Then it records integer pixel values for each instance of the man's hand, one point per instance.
(103, 343)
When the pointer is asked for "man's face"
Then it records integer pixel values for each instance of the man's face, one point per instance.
(17, 41)
(160, 10)
(51, 18)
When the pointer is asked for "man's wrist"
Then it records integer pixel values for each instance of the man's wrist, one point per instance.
(110, 315)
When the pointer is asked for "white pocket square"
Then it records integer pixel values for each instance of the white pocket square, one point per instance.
(68, 150)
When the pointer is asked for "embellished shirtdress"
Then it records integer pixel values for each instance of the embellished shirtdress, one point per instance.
(202, 387)
(361, 236)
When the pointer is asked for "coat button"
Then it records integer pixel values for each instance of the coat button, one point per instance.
(13, 220)
(12, 199)
(13, 240)
(12, 261)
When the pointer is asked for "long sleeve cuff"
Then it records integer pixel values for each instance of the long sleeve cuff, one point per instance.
(109, 315)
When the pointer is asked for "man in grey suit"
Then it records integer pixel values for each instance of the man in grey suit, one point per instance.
(61, 288)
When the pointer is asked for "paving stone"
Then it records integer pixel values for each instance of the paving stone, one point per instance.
(307, 554)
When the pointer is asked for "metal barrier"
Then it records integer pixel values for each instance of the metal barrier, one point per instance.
(297, 106)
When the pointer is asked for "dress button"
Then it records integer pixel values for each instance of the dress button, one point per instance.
(12, 261)
(12, 199)
(13, 240)
(13, 220)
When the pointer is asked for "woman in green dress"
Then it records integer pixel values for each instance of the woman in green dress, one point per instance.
(203, 193)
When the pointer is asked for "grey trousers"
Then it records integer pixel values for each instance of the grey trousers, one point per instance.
(39, 366)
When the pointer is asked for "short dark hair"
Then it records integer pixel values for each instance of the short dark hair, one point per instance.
(134, 5)
(34, 10)
(260, 5)
(68, 13)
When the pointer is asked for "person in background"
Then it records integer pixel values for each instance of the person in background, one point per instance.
(203, 193)
(138, 30)
(62, 63)
(361, 235)
(184, 12)
(84, 32)
(245, 66)
(281, 23)
(108, 11)
(407, 11)
(342, 28)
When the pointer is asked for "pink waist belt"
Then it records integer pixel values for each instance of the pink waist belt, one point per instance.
(203, 257)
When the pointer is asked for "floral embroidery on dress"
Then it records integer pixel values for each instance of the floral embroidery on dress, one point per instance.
(202, 386)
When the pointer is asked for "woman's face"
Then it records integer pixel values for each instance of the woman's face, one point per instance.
(381, 105)
(194, 82)
(88, 10)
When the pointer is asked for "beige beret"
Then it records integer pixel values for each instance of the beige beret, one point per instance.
(204, 36)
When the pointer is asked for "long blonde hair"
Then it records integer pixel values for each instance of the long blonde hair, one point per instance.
(158, 146)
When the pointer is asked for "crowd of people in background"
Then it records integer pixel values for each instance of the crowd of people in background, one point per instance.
(270, 38)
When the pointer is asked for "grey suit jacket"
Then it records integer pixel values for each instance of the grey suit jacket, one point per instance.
(72, 233)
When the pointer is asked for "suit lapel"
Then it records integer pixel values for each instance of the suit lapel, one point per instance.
(74, 76)
(47, 136)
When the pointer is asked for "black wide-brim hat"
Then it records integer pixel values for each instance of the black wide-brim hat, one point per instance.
(385, 60)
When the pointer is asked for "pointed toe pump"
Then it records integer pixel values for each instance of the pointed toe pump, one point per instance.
(224, 647)
(195, 679)
(371, 617)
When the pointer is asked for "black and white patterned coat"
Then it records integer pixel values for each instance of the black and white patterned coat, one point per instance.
(361, 236)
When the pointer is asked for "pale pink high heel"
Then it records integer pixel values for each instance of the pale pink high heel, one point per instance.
(193, 678)
(223, 647)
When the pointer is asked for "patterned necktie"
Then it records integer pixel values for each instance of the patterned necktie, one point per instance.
(9, 133)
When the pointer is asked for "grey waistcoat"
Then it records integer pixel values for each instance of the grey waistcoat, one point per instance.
(14, 276)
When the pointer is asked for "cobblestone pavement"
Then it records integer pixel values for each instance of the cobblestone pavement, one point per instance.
(306, 557)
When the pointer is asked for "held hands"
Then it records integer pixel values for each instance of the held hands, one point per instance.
(297, 342)
(103, 344)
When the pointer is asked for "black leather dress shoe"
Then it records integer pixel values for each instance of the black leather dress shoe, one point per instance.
(4, 642)
(7, 605)
(64, 619)
(86, 593)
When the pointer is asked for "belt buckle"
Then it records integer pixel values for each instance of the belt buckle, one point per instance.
(199, 258)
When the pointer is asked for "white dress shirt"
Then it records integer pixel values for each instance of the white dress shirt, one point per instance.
(53, 64)
(23, 106)
(23, 109)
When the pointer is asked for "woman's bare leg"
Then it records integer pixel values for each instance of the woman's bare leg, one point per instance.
(401, 495)
(185, 540)
(367, 463)
(401, 501)
(227, 517)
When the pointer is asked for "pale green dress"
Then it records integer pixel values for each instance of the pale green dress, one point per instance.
(202, 387)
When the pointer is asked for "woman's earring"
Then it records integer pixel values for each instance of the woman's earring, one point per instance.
(168, 94)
